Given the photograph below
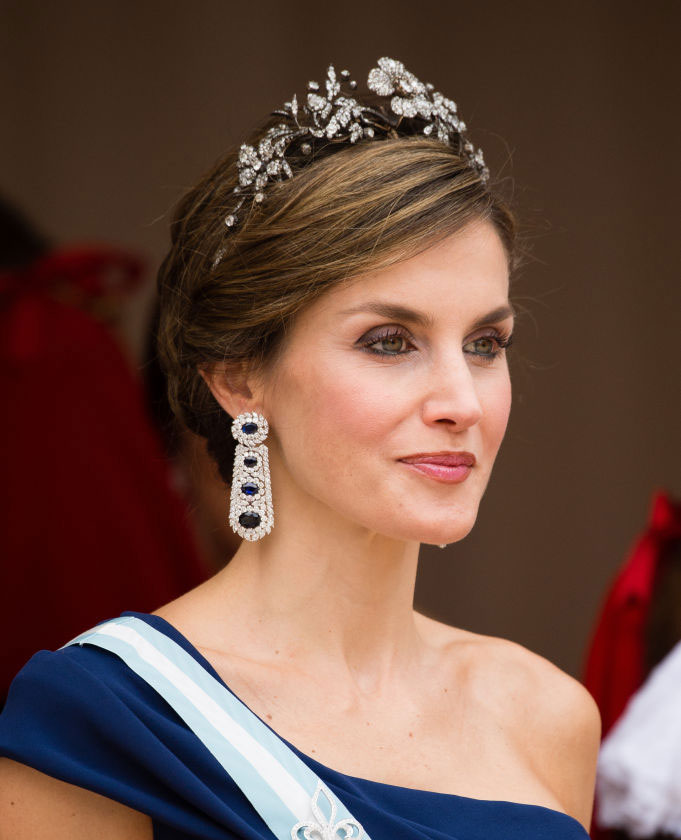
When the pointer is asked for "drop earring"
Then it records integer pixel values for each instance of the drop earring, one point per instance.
(443, 545)
(251, 514)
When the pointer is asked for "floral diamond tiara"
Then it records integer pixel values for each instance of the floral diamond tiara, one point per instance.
(338, 116)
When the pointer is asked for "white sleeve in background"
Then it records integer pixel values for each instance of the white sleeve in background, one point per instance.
(638, 779)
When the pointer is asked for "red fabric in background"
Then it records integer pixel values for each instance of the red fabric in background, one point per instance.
(614, 665)
(95, 270)
(90, 523)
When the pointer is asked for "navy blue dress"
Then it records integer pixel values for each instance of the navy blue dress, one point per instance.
(81, 715)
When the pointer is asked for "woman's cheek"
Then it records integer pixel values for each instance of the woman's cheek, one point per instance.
(497, 408)
(358, 409)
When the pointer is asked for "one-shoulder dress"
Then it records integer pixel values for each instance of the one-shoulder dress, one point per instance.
(82, 715)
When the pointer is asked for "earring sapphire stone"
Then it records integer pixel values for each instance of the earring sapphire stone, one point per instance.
(249, 519)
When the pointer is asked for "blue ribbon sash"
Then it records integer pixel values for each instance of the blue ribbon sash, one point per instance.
(292, 800)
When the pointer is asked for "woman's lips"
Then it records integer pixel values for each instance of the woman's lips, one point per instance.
(441, 472)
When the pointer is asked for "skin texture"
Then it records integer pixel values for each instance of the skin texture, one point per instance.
(326, 599)
(34, 806)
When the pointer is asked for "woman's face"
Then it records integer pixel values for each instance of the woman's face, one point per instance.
(357, 389)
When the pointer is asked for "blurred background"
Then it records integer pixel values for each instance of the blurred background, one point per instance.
(113, 109)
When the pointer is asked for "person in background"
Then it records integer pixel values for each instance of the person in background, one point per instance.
(637, 629)
(90, 519)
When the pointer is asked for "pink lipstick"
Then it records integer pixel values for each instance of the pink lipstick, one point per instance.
(451, 467)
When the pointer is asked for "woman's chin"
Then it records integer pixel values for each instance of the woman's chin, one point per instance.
(454, 529)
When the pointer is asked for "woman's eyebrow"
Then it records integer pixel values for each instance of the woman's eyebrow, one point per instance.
(397, 312)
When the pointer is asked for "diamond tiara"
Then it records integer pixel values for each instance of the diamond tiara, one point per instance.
(338, 116)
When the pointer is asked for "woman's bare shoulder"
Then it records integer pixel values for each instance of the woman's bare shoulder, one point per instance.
(550, 713)
(538, 690)
(560, 722)
(519, 672)
(35, 806)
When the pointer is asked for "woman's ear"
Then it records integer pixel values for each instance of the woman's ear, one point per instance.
(229, 385)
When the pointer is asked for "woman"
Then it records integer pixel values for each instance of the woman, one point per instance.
(339, 286)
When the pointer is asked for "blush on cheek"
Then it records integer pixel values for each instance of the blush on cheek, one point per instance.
(351, 417)
(333, 414)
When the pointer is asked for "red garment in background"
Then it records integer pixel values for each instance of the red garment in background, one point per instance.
(90, 523)
(614, 665)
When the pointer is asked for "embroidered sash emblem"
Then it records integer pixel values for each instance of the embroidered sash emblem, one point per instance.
(325, 829)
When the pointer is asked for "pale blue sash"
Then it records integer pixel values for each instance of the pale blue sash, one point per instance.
(282, 788)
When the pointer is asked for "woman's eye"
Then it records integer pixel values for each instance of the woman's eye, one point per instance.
(494, 344)
(390, 343)
(490, 344)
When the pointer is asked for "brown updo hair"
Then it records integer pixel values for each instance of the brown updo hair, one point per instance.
(348, 209)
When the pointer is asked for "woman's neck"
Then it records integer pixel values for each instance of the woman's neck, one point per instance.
(341, 605)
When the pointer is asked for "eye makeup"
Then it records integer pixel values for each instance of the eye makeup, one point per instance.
(501, 339)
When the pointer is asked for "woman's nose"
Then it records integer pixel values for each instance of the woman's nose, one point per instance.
(451, 393)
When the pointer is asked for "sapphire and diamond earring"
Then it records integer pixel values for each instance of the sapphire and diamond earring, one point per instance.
(251, 514)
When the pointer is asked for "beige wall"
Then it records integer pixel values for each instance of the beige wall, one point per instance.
(111, 108)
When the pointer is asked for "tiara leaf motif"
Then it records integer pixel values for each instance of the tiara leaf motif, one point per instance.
(338, 116)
